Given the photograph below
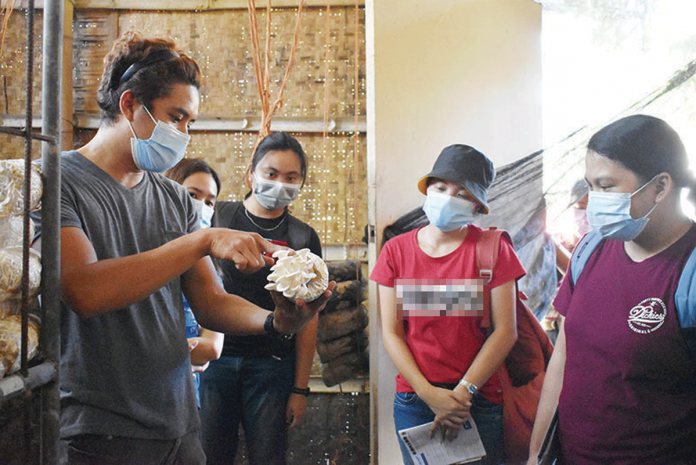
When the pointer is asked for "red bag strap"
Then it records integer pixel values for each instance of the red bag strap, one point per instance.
(487, 249)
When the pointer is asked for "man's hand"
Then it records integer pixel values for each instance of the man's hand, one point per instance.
(291, 318)
(249, 251)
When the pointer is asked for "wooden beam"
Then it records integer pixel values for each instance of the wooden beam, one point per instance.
(247, 124)
(189, 5)
(229, 124)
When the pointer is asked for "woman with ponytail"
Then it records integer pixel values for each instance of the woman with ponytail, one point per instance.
(623, 371)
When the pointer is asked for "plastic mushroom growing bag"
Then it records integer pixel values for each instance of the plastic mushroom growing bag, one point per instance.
(12, 233)
(12, 187)
(12, 178)
(302, 275)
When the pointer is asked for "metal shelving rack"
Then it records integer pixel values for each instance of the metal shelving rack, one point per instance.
(37, 386)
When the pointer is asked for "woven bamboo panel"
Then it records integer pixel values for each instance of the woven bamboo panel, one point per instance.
(13, 75)
(93, 34)
(334, 198)
(13, 147)
(221, 44)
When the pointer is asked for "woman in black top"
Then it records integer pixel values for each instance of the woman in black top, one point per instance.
(261, 381)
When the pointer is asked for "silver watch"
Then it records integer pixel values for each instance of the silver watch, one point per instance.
(471, 387)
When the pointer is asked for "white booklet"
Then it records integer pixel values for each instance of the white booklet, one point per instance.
(467, 447)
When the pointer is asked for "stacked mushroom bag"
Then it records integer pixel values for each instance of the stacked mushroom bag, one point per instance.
(342, 342)
(341, 338)
(11, 263)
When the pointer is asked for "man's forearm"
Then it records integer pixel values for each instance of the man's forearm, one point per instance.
(100, 286)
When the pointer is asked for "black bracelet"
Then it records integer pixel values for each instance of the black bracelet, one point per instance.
(300, 391)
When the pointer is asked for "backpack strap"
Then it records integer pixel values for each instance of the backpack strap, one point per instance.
(487, 249)
(582, 253)
(685, 301)
(685, 296)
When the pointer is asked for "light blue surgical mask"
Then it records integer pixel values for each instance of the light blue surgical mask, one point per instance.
(164, 149)
(273, 195)
(609, 213)
(205, 212)
(448, 213)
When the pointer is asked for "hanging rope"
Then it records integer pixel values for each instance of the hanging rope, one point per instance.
(7, 8)
(262, 74)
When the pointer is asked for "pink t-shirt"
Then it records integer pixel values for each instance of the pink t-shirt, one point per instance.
(445, 344)
(626, 395)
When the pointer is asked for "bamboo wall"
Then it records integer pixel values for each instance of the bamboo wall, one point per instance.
(334, 199)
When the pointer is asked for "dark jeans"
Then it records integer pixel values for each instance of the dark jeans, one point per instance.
(410, 410)
(253, 391)
(93, 449)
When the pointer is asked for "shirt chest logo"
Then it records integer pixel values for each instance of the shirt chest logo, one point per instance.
(440, 297)
(647, 316)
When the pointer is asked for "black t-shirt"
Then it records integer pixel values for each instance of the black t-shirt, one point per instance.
(286, 229)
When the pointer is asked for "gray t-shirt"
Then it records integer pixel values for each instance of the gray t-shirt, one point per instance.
(127, 372)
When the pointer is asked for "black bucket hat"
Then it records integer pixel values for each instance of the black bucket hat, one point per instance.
(466, 166)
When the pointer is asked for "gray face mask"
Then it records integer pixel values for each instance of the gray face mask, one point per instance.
(273, 195)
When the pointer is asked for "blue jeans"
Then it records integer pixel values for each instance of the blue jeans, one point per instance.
(410, 410)
(253, 391)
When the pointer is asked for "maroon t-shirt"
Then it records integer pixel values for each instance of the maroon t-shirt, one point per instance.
(628, 389)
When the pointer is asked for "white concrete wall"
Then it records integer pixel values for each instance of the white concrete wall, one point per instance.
(441, 72)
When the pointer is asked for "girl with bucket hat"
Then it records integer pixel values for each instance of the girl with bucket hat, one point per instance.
(433, 334)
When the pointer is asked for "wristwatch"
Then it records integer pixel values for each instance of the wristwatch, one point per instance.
(300, 391)
(471, 387)
(271, 331)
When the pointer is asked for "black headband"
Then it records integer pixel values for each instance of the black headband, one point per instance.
(151, 59)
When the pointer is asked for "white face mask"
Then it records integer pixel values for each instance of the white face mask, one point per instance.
(205, 212)
(164, 149)
(273, 195)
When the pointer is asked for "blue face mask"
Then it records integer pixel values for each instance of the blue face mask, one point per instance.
(448, 213)
(609, 213)
(205, 212)
(164, 149)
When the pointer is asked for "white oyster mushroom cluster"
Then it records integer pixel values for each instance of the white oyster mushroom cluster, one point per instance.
(302, 275)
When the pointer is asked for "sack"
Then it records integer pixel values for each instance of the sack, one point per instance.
(522, 374)
(551, 447)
